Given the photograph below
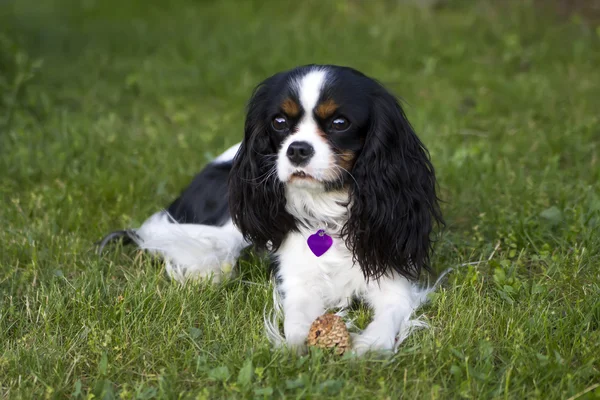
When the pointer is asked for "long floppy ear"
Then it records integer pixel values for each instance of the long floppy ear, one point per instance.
(256, 196)
(394, 205)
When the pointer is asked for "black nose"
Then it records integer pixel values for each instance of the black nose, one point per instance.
(300, 152)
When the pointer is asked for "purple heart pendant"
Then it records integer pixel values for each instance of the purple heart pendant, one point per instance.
(319, 243)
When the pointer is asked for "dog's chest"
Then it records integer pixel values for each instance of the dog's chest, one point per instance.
(331, 276)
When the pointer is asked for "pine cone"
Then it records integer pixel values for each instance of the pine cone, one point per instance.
(329, 331)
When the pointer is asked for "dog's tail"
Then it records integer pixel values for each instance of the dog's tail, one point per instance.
(125, 236)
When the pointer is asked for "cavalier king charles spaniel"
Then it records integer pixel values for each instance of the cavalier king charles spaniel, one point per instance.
(331, 180)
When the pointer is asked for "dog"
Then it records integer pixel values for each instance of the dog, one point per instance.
(331, 180)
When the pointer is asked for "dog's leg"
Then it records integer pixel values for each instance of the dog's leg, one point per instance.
(191, 251)
(301, 306)
(194, 235)
(300, 283)
(393, 300)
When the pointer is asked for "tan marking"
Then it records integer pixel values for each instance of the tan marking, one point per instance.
(326, 109)
(347, 159)
(290, 108)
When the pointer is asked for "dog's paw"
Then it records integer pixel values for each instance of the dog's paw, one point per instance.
(195, 273)
(295, 337)
(372, 342)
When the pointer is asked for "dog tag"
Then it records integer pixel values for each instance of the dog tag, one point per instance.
(319, 243)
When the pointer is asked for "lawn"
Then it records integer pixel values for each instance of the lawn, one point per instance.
(108, 108)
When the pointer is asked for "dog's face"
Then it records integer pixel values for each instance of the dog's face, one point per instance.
(325, 128)
(320, 122)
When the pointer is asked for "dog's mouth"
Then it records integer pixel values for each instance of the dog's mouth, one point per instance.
(301, 175)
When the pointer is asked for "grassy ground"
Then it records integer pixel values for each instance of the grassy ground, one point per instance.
(133, 97)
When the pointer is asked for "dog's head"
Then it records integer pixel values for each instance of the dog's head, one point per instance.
(330, 128)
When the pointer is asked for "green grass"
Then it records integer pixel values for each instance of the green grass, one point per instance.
(107, 109)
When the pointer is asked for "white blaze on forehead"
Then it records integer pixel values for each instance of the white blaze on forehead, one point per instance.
(309, 88)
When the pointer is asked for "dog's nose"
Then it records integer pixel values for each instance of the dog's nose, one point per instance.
(300, 152)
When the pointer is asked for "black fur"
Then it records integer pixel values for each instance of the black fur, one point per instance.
(124, 235)
(204, 201)
(256, 196)
(394, 205)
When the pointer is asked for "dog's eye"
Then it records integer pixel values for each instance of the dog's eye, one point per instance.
(279, 123)
(340, 124)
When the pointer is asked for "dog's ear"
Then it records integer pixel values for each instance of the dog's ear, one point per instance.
(393, 203)
(256, 196)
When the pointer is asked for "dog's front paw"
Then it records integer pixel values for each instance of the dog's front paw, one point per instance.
(295, 338)
(372, 342)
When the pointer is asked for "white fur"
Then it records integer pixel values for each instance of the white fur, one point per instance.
(311, 285)
(309, 87)
(191, 251)
(228, 154)
(320, 166)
